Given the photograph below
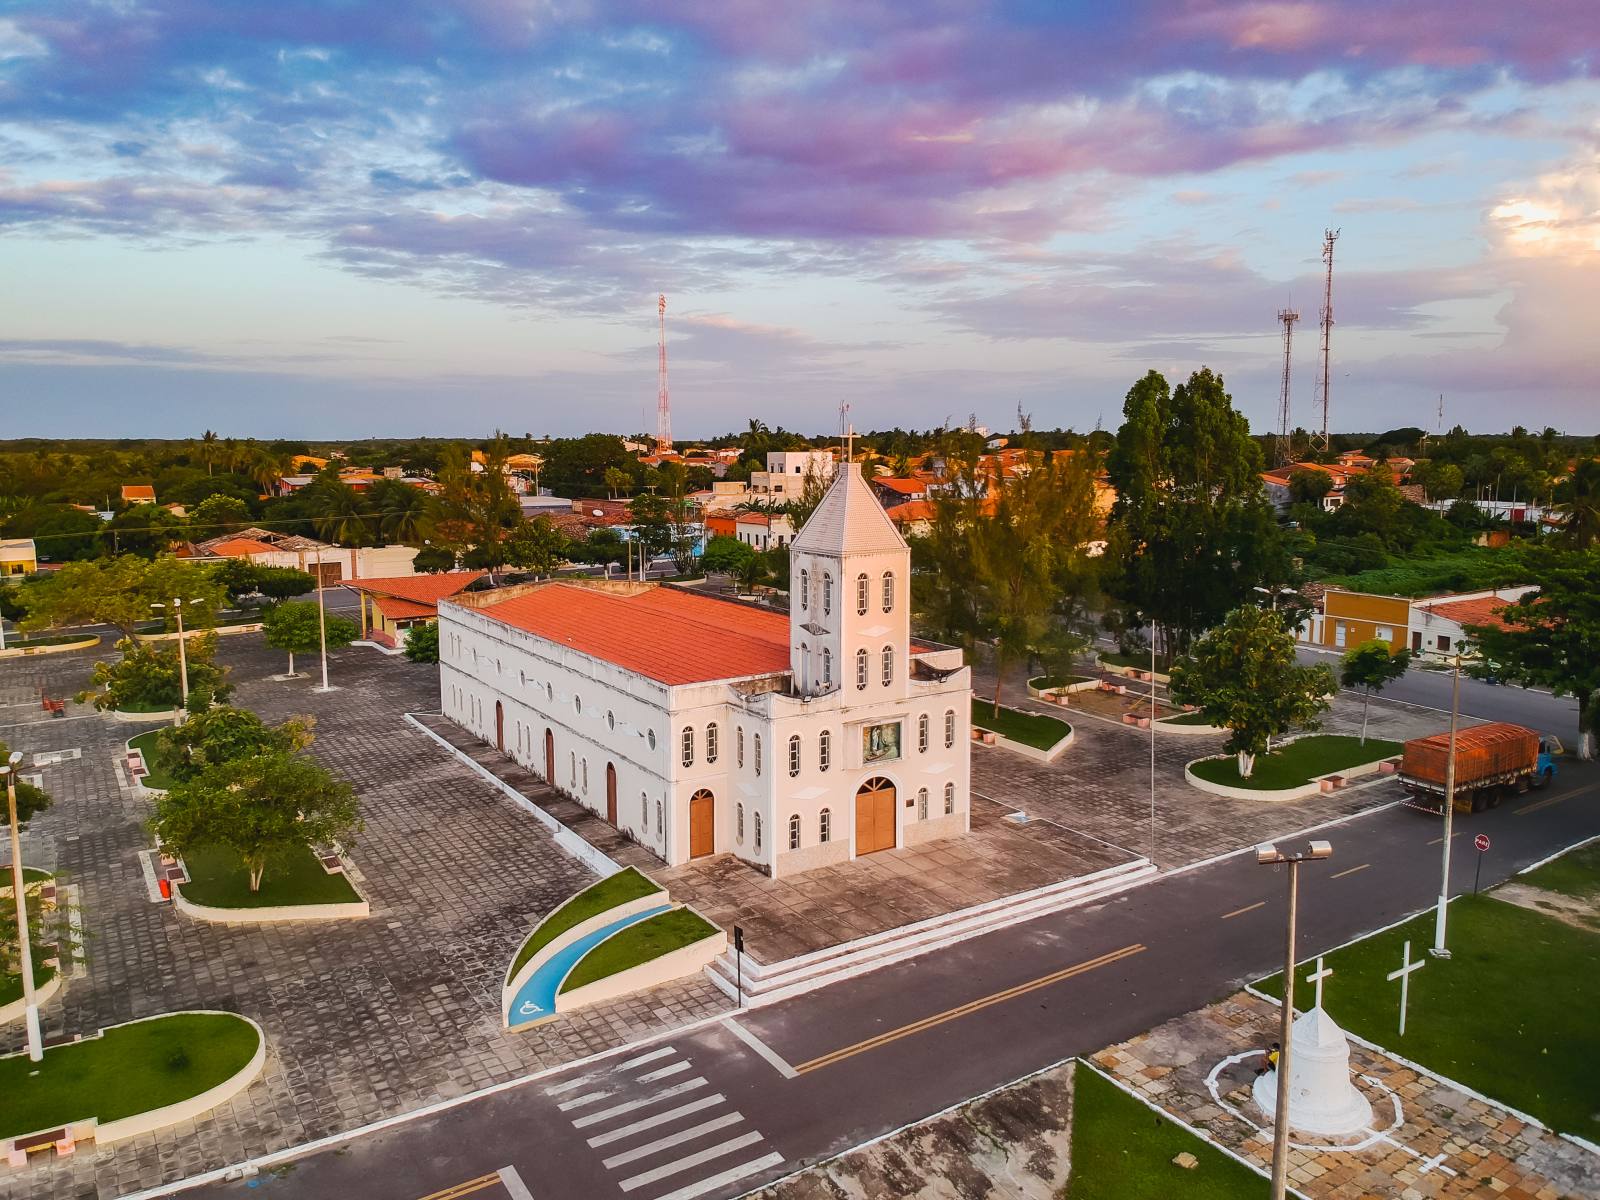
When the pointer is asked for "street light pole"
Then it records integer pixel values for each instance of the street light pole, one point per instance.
(1440, 950)
(1268, 854)
(183, 655)
(29, 999)
(1152, 745)
(322, 625)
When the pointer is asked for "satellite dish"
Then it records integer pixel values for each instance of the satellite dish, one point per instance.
(599, 512)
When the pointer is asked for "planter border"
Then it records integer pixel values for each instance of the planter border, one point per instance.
(1083, 685)
(118, 714)
(55, 648)
(1034, 752)
(664, 968)
(122, 1128)
(342, 910)
(219, 630)
(42, 994)
(1129, 672)
(1311, 787)
(144, 788)
(514, 983)
(1172, 725)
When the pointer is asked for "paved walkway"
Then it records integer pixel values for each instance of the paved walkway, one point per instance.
(1448, 1145)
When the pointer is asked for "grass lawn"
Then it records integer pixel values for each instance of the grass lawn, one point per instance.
(145, 743)
(640, 943)
(29, 875)
(1505, 1014)
(1298, 762)
(1194, 718)
(127, 1070)
(11, 985)
(592, 901)
(150, 706)
(1040, 682)
(220, 880)
(1574, 874)
(60, 639)
(1030, 729)
(1139, 662)
(1121, 1150)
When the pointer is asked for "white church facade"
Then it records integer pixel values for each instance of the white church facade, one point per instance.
(700, 725)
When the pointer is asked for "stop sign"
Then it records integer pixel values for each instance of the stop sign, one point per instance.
(1481, 842)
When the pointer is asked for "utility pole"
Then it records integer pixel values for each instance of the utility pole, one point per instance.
(1283, 452)
(1329, 236)
(663, 403)
(29, 999)
(183, 655)
(1440, 950)
(322, 625)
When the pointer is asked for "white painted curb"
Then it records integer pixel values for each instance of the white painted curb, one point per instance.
(349, 910)
(566, 937)
(41, 996)
(58, 648)
(118, 715)
(675, 964)
(1278, 795)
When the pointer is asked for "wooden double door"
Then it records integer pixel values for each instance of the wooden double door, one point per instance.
(875, 805)
(702, 824)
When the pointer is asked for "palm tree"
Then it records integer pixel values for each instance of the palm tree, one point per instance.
(208, 447)
(337, 512)
(267, 466)
(1580, 510)
(399, 511)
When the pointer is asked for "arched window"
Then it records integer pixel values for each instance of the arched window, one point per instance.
(644, 812)
(549, 691)
(922, 804)
(949, 728)
(577, 704)
(824, 750)
(711, 742)
(805, 588)
(738, 822)
(650, 736)
(794, 757)
(658, 819)
(758, 833)
(949, 798)
(611, 719)
(827, 593)
(824, 825)
(863, 590)
(688, 746)
(861, 670)
(794, 832)
(888, 591)
(586, 777)
(827, 667)
(755, 750)
(922, 733)
(738, 744)
(888, 665)
(572, 756)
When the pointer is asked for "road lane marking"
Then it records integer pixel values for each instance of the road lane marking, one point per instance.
(1239, 912)
(465, 1188)
(731, 1175)
(972, 1006)
(693, 1160)
(1549, 800)
(1350, 871)
(672, 1114)
(1440, 838)
(586, 1098)
(584, 1080)
(616, 1110)
(672, 1139)
(514, 1185)
(664, 1072)
(760, 1047)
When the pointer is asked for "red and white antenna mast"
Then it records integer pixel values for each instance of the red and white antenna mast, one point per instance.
(663, 403)
(1329, 236)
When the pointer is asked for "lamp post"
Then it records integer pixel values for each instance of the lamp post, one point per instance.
(322, 625)
(1440, 950)
(183, 654)
(1268, 855)
(1146, 620)
(29, 999)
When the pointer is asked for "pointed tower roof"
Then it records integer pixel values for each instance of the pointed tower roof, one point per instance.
(849, 520)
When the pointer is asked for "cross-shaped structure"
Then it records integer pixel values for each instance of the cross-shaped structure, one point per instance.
(1404, 976)
(1317, 977)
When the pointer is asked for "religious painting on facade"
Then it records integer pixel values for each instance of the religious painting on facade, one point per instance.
(880, 743)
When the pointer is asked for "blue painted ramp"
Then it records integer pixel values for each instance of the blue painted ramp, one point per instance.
(536, 999)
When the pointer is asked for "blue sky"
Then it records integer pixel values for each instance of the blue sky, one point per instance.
(318, 218)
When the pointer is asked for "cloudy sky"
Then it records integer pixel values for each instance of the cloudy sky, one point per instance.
(348, 217)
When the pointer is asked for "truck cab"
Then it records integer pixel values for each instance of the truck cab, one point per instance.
(1549, 747)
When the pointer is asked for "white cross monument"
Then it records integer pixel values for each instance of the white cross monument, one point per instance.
(1322, 1100)
(1404, 976)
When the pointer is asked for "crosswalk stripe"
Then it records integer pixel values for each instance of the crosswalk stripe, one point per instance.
(672, 1114)
(674, 1069)
(693, 1160)
(672, 1139)
(586, 1098)
(585, 1080)
(732, 1175)
(616, 1110)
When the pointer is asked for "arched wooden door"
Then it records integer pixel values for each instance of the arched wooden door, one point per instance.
(702, 824)
(499, 727)
(611, 793)
(550, 758)
(875, 801)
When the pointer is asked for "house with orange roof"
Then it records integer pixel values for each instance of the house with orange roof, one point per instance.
(138, 493)
(392, 607)
(699, 725)
(1434, 627)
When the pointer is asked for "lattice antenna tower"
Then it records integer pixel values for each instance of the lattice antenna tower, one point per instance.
(1283, 450)
(663, 402)
(1329, 236)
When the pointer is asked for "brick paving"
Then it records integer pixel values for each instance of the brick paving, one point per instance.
(1491, 1152)
(364, 1019)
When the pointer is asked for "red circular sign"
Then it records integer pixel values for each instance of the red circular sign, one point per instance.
(1481, 841)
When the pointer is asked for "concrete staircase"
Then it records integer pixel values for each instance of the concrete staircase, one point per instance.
(765, 983)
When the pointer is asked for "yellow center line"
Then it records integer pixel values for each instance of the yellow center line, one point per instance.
(1351, 871)
(1549, 800)
(1241, 911)
(465, 1188)
(950, 1014)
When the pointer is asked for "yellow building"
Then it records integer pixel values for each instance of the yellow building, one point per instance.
(391, 607)
(18, 557)
(1349, 618)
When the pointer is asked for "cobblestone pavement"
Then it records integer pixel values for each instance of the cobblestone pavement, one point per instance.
(1490, 1152)
(1101, 785)
(364, 1019)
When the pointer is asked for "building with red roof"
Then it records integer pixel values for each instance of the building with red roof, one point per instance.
(391, 607)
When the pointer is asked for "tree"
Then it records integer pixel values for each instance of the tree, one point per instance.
(1580, 506)
(208, 448)
(616, 480)
(297, 627)
(537, 545)
(217, 515)
(282, 583)
(149, 676)
(431, 560)
(1372, 502)
(422, 643)
(261, 808)
(1371, 668)
(1243, 675)
(476, 508)
(145, 529)
(1309, 486)
(222, 734)
(61, 533)
(338, 512)
(1551, 637)
(399, 511)
(1440, 480)
(120, 592)
(30, 799)
(726, 555)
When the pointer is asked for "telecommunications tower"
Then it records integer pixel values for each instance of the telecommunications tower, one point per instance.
(1329, 236)
(663, 403)
(1283, 451)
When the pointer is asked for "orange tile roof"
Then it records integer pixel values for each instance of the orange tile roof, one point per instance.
(911, 510)
(906, 487)
(401, 610)
(238, 547)
(139, 491)
(753, 518)
(1483, 611)
(671, 636)
(418, 589)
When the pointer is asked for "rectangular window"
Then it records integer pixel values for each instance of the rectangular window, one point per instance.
(711, 743)
(824, 749)
(949, 728)
(1384, 634)
(688, 747)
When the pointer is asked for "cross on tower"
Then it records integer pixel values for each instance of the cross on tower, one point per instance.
(1404, 976)
(1317, 976)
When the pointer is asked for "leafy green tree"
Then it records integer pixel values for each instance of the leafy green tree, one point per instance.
(261, 808)
(121, 591)
(422, 643)
(149, 676)
(1244, 676)
(617, 481)
(1440, 480)
(537, 545)
(217, 515)
(283, 583)
(30, 798)
(753, 572)
(1372, 502)
(577, 466)
(477, 509)
(1371, 668)
(296, 627)
(60, 532)
(145, 529)
(432, 560)
(1307, 486)
(222, 734)
(1551, 637)
(1580, 506)
(726, 555)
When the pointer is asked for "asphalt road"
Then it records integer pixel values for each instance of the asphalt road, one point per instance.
(707, 1114)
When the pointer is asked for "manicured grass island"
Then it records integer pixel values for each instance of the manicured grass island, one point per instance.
(11, 985)
(1123, 1150)
(1506, 1014)
(1031, 729)
(1193, 718)
(1297, 762)
(1041, 683)
(1137, 662)
(1575, 874)
(128, 1069)
(145, 744)
(640, 943)
(218, 879)
(599, 897)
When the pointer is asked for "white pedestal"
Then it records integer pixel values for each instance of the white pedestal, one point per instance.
(1322, 1100)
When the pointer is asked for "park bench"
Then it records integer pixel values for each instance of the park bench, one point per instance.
(21, 1147)
(332, 864)
(1332, 783)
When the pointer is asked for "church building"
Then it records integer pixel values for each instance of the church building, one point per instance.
(700, 725)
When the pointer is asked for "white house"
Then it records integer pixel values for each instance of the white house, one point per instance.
(764, 531)
(700, 725)
(789, 471)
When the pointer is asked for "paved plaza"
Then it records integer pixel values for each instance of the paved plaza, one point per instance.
(364, 1019)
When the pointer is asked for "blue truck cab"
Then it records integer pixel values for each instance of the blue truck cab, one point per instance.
(1545, 769)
